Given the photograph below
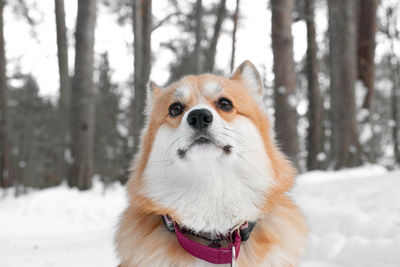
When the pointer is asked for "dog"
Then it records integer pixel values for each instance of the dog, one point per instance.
(209, 184)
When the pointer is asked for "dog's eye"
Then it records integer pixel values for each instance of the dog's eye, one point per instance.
(224, 104)
(176, 109)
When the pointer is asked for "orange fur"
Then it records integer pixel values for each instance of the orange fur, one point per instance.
(282, 229)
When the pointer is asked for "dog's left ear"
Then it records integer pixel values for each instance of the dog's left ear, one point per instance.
(152, 92)
(248, 74)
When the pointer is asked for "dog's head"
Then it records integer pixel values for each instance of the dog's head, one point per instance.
(207, 156)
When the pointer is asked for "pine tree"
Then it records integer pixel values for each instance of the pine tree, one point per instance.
(109, 144)
(34, 122)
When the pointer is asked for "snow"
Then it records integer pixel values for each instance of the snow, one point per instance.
(321, 156)
(354, 218)
(60, 227)
(366, 133)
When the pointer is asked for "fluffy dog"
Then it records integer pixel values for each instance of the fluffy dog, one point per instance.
(208, 168)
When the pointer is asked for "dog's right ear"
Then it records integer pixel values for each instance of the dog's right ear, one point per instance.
(152, 92)
(248, 74)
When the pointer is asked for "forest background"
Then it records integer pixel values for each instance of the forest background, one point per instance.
(73, 78)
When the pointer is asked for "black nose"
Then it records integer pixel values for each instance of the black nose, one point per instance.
(200, 118)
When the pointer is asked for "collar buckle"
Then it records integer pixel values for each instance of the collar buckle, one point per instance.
(168, 222)
(233, 262)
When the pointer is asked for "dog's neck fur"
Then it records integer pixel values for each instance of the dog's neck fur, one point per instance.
(278, 239)
(210, 193)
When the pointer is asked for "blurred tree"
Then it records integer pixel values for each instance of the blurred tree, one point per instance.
(366, 47)
(315, 133)
(142, 27)
(124, 11)
(5, 174)
(395, 110)
(345, 146)
(285, 78)
(392, 32)
(65, 94)
(109, 143)
(28, 11)
(366, 70)
(212, 48)
(34, 124)
(184, 48)
(82, 104)
(235, 25)
(382, 116)
(122, 8)
(197, 60)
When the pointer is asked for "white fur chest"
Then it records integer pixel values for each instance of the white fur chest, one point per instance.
(210, 191)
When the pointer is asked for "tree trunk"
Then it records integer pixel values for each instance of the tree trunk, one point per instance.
(62, 48)
(366, 47)
(345, 146)
(315, 133)
(395, 95)
(235, 23)
(284, 97)
(82, 104)
(198, 38)
(5, 175)
(393, 34)
(142, 26)
(212, 49)
(64, 99)
(366, 68)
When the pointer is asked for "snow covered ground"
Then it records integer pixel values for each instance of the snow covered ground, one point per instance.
(354, 216)
(60, 227)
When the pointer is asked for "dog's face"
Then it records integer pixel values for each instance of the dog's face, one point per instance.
(205, 150)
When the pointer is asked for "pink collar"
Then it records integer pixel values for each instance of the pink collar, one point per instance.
(222, 255)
